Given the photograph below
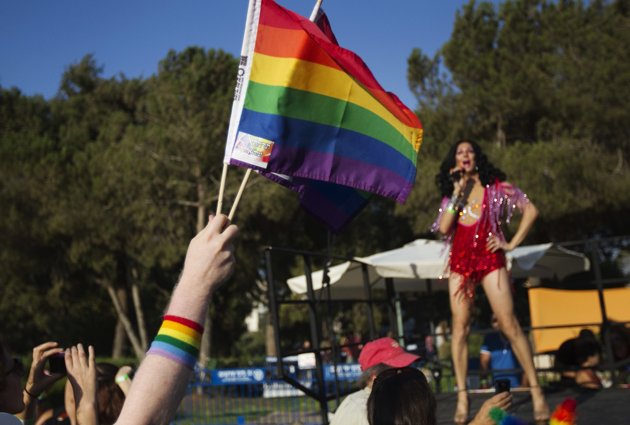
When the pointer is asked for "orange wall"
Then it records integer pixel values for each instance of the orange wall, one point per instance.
(550, 307)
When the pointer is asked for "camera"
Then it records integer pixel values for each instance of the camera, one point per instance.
(57, 363)
(502, 385)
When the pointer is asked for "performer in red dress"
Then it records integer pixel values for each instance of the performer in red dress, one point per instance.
(476, 200)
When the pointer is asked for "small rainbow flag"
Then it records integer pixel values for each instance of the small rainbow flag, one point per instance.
(564, 413)
(308, 109)
(501, 417)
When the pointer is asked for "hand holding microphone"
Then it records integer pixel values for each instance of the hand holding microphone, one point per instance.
(460, 195)
(456, 175)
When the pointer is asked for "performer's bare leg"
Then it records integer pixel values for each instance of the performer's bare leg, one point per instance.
(498, 290)
(461, 312)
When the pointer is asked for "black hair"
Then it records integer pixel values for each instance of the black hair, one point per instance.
(620, 340)
(585, 348)
(488, 173)
(109, 396)
(587, 334)
(575, 351)
(401, 397)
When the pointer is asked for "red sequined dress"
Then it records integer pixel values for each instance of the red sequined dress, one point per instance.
(468, 256)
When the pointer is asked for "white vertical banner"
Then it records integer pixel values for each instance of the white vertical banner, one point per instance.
(242, 77)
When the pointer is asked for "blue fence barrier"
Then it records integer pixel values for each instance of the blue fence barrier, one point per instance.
(256, 396)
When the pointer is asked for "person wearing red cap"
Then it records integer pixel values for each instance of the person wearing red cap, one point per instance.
(375, 357)
(382, 355)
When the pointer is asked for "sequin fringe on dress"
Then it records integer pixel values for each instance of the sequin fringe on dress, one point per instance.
(468, 256)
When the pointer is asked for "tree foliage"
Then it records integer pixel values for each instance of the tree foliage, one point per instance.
(103, 186)
(543, 86)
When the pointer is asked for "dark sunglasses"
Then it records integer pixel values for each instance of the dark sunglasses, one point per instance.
(17, 367)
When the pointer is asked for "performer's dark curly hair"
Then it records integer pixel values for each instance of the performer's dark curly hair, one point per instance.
(488, 173)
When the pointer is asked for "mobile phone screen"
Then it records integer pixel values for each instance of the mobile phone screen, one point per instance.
(502, 385)
(57, 363)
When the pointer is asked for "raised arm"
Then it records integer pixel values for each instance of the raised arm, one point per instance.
(39, 380)
(447, 218)
(163, 375)
(82, 376)
(450, 208)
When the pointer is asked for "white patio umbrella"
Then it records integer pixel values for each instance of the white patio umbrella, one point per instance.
(421, 263)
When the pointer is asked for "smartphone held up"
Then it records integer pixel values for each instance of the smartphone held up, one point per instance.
(57, 363)
(502, 386)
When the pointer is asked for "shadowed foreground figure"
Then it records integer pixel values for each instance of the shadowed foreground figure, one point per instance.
(375, 357)
(403, 397)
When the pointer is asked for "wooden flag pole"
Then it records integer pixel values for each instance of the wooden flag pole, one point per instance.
(240, 192)
(222, 188)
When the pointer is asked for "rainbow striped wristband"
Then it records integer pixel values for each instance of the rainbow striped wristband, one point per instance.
(178, 339)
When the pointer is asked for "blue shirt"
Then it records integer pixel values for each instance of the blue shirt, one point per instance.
(501, 357)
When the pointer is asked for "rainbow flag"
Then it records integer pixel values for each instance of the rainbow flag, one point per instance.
(564, 413)
(307, 109)
(333, 204)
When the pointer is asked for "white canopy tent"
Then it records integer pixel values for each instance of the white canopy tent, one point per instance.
(422, 262)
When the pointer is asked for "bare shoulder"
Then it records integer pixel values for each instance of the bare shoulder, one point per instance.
(506, 185)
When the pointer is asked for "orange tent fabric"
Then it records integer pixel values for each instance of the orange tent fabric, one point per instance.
(555, 307)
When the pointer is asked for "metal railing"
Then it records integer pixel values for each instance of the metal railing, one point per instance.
(256, 396)
(283, 394)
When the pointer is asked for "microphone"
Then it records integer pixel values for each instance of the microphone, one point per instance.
(456, 175)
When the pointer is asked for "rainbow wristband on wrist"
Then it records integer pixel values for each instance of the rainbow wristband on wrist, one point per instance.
(178, 339)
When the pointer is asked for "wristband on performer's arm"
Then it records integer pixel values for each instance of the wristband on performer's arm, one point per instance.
(450, 207)
(454, 204)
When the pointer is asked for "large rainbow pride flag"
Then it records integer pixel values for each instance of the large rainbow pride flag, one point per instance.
(307, 109)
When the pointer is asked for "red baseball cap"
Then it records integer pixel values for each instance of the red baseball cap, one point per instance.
(387, 351)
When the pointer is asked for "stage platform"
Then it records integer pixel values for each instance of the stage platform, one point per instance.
(594, 407)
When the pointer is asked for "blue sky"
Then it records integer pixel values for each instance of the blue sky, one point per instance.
(40, 38)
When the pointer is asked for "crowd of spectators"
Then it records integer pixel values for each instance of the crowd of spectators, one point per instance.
(99, 393)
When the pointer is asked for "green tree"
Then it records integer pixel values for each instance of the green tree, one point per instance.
(102, 208)
(540, 80)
